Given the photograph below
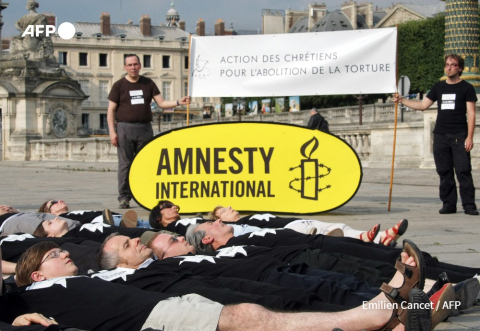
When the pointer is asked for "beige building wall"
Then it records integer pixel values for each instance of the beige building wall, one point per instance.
(97, 79)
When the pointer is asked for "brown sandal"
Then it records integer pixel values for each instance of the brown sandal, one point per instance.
(413, 277)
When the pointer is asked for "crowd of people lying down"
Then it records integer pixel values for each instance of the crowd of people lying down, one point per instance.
(98, 270)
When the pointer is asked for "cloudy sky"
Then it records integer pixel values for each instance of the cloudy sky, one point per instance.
(244, 14)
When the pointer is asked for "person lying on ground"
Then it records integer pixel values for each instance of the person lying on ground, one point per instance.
(387, 237)
(165, 215)
(57, 292)
(334, 288)
(212, 235)
(57, 228)
(60, 208)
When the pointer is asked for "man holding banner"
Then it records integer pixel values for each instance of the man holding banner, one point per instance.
(129, 106)
(453, 134)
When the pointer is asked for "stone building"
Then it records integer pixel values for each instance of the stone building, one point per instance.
(404, 12)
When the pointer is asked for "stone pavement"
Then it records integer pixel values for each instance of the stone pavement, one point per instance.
(452, 238)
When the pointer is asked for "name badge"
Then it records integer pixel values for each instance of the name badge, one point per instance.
(137, 97)
(448, 101)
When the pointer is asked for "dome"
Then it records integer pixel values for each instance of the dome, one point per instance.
(172, 11)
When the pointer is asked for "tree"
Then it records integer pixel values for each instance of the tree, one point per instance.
(420, 52)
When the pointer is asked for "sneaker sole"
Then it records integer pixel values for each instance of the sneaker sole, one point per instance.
(418, 318)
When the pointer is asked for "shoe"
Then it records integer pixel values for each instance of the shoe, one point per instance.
(446, 210)
(335, 233)
(442, 301)
(107, 217)
(129, 219)
(441, 280)
(399, 230)
(472, 212)
(414, 277)
(369, 236)
(124, 204)
(466, 293)
(419, 318)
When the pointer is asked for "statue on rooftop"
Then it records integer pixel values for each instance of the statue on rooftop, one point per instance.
(34, 48)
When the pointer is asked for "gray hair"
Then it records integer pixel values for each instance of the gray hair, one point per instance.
(194, 237)
(108, 259)
(314, 109)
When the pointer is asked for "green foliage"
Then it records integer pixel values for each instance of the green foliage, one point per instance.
(420, 52)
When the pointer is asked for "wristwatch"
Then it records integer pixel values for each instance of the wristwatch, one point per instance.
(178, 103)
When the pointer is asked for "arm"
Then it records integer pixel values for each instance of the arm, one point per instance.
(112, 108)
(162, 103)
(471, 125)
(8, 267)
(417, 105)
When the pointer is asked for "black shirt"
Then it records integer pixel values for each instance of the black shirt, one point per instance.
(89, 304)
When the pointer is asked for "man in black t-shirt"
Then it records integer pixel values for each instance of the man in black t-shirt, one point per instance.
(453, 134)
(129, 106)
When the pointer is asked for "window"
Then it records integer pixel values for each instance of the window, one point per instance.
(103, 121)
(103, 90)
(82, 59)
(85, 120)
(147, 61)
(185, 64)
(185, 92)
(62, 58)
(166, 90)
(166, 62)
(85, 86)
(102, 60)
(206, 99)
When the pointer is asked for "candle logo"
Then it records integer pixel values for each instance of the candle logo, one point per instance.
(311, 172)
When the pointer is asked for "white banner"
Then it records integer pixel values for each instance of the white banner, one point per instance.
(323, 63)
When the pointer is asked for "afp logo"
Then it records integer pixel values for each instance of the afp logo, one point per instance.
(66, 30)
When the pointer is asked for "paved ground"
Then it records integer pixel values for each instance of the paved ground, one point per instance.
(452, 238)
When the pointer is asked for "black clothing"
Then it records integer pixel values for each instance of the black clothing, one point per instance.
(84, 216)
(449, 154)
(99, 232)
(318, 122)
(82, 251)
(331, 287)
(349, 246)
(86, 303)
(452, 106)
(373, 272)
(450, 133)
(220, 289)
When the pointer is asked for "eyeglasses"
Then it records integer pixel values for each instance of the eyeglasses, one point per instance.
(53, 255)
(169, 205)
(52, 203)
(172, 240)
(454, 65)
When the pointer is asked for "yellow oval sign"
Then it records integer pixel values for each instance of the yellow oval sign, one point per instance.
(256, 167)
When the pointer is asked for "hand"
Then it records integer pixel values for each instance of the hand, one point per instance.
(7, 209)
(397, 98)
(114, 139)
(468, 144)
(35, 318)
(185, 100)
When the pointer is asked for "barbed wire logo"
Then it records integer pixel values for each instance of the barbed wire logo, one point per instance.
(311, 172)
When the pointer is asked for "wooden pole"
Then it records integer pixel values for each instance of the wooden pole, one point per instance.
(188, 79)
(394, 130)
